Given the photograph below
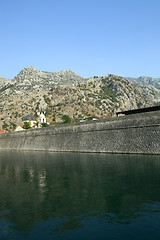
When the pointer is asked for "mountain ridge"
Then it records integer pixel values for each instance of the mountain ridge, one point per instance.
(145, 80)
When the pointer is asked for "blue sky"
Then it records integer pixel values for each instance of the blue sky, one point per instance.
(89, 37)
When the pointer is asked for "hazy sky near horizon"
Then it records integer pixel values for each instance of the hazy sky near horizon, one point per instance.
(89, 37)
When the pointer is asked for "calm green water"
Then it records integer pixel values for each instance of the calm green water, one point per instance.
(79, 196)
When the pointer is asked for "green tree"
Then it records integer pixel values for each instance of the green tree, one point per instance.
(66, 119)
(5, 126)
(14, 125)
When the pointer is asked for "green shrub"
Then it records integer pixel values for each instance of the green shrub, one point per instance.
(107, 92)
(44, 125)
(26, 125)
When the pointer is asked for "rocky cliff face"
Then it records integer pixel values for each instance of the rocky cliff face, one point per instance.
(66, 93)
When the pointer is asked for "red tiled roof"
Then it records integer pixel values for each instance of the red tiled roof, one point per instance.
(2, 131)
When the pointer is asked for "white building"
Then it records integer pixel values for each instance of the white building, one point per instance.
(42, 118)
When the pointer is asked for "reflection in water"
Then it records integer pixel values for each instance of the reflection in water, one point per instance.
(75, 196)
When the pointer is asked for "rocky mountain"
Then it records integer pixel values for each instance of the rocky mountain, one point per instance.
(145, 81)
(30, 78)
(2, 80)
(66, 93)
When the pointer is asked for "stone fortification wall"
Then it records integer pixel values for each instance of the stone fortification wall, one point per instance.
(139, 133)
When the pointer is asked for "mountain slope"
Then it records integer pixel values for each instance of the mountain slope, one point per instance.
(146, 81)
(66, 93)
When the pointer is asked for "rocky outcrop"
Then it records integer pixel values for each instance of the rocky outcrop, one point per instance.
(30, 77)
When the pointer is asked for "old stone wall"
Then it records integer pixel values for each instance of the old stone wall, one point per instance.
(139, 133)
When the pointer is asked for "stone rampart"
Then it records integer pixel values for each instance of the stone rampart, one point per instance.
(138, 133)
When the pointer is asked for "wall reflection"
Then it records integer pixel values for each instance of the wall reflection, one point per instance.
(69, 188)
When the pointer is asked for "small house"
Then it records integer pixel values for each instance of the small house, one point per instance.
(31, 119)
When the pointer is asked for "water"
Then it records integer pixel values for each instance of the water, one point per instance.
(64, 196)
